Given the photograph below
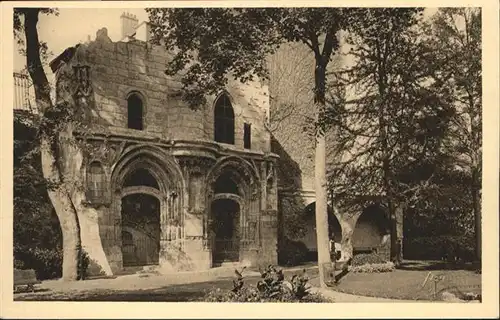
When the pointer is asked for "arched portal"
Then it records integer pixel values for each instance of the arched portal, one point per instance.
(226, 228)
(371, 228)
(235, 181)
(146, 214)
(140, 216)
(226, 219)
(310, 239)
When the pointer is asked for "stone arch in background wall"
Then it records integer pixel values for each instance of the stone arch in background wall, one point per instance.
(224, 119)
(371, 230)
(310, 239)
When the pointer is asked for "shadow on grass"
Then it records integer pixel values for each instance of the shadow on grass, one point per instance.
(26, 290)
(438, 265)
(172, 293)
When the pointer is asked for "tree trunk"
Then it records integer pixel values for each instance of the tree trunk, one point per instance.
(394, 238)
(324, 260)
(476, 207)
(58, 194)
(66, 213)
(397, 229)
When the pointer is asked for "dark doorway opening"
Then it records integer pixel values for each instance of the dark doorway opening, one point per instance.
(226, 233)
(370, 229)
(140, 230)
(310, 238)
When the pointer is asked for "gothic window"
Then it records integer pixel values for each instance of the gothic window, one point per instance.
(135, 112)
(95, 181)
(225, 184)
(224, 120)
(247, 135)
(141, 177)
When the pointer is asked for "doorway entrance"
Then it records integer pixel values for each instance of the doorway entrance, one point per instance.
(226, 231)
(140, 230)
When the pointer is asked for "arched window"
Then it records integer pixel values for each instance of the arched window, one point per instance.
(141, 177)
(135, 112)
(224, 184)
(224, 120)
(95, 181)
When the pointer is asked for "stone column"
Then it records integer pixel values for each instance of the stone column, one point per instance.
(193, 253)
(269, 237)
(250, 244)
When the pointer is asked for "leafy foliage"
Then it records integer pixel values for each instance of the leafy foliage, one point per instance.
(47, 263)
(271, 288)
(406, 117)
(37, 233)
(387, 121)
(446, 247)
(292, 253)
(209, 46)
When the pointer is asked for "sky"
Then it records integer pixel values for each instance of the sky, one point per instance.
(74, 25)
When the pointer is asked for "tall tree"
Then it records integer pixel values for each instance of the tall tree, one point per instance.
(212, 44)
(389, 122)
(455, 36)
(55, 131)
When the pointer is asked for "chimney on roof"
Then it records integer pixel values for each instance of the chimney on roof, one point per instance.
(143, 31)
(129, 22)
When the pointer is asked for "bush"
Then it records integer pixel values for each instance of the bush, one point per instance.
(47, 263)
(450, 248)
(292, 253)
(272, 288)
(373, 268)
(368, 258)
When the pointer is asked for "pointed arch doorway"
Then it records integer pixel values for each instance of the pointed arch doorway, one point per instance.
(226, 217)
(226, 208)
(140, 217)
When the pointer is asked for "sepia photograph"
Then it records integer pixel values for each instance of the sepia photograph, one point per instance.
(212, 153)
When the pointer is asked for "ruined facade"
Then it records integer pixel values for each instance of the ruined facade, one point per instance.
(185, 189)
(166, 185)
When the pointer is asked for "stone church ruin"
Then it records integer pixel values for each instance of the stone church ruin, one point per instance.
(183, 189)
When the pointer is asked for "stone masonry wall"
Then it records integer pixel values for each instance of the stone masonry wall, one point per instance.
(119, 68)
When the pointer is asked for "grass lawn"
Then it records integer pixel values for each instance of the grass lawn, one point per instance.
(169, 293)
(407, 284)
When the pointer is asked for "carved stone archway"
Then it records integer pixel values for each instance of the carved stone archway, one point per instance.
(246, 194)
(169, 194)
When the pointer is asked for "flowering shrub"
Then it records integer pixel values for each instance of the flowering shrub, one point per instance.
(271, 288)
(373, 268)
(368, 258)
